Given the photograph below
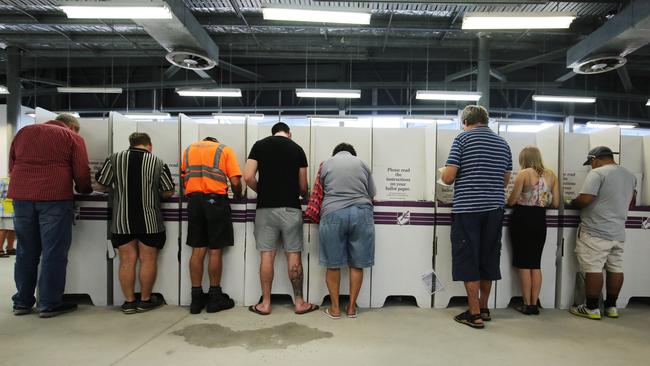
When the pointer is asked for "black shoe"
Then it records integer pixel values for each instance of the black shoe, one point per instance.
(11, 251)
(198, 302)
(485, 315)
(533, 309)
(19, 310)
(61, 309)
(130, 307)
(153, 303)
(218, 302)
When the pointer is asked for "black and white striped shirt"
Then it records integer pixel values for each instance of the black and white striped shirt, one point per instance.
(137, 178)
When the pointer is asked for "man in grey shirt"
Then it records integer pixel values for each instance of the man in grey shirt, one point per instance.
(606, 195)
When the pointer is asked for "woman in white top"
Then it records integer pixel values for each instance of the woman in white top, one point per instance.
(536, 189)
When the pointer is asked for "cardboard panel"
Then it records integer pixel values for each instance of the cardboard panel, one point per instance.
(399, 173)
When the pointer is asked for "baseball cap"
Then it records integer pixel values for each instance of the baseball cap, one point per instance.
(597, 152)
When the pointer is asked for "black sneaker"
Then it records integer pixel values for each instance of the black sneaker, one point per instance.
(153, 303)
(61, 309)
(218, 302)
(19, 310)
(198, 302)
(130, 307)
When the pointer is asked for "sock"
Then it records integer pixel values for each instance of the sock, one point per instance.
(215, 289)
(610, 302)
(592, 303)
(197, 290)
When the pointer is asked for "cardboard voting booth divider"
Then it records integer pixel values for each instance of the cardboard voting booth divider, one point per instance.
(232, 281)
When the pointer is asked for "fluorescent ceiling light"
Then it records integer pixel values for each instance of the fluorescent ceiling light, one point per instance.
(597, 124)
(529, 127)
(4, 89)
(563, 99)
(93, 10)
(147, 116)
(316, 15)
(81, 89)
(73, 114)
(252, 117)
(415, 119)
(335, 118)
(517, 20)
(447, 95)
(329, 93)
(31, 114)
(218, 92)
(648, 103)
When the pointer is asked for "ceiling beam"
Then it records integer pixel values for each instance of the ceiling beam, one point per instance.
(532, 61)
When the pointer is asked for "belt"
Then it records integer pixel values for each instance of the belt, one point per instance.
(210, 195)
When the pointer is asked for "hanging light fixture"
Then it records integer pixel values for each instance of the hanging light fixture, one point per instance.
(329, 93)
(447, 95)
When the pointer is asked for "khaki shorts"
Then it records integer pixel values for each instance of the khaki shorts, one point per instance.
(277, 227)
(595, 253)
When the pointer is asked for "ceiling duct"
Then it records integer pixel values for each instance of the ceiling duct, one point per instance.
(605, 49)
(188, 59)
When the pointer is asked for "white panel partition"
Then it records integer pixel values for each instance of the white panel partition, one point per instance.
(324, 139)
(43, 115)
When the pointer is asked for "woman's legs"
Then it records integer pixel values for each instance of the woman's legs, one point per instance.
(356, 280)
(525, 279)
(536, 285)
(333, 279)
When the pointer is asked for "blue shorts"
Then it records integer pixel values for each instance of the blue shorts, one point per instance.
(347, 238)
(476, 245)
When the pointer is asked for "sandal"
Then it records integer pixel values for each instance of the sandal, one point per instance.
(254, 309)
(330, 315)
(354, 315)
(3, 254)
(308, 310)
(485, 314)
(470, 320)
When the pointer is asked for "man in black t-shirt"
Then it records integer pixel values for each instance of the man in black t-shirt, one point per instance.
(282, 167)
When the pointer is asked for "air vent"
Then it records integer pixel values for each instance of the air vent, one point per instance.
(188, 59)
(599, 64)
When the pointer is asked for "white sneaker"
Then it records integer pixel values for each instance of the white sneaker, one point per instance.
(583, 311)
(611, 312)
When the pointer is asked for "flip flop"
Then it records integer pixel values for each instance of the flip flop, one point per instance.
(329, 315)
(254, 309)
(311, 308)
(352, 316)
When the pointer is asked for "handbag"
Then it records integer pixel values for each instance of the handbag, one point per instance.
(315, 199)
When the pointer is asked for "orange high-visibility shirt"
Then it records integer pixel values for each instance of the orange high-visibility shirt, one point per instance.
(207, 166)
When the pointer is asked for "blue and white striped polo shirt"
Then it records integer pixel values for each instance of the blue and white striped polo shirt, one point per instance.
(482, 158)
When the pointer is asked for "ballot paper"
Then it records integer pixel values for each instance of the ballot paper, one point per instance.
(431, 281)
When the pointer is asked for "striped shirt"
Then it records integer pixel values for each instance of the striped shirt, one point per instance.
(482, 158)
(137, 179)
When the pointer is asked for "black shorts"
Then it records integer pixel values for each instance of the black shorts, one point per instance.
(156, 240)
(476, 245)
(209, 221)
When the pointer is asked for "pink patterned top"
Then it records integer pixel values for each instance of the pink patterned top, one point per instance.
(539, 195)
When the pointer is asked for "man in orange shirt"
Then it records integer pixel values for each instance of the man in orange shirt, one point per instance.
(206, 168)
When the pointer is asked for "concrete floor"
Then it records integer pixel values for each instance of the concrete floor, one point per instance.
(389, 336)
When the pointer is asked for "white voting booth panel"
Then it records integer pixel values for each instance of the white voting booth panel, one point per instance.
(443, 260)
(324, 139)
(404, 220)
(7, 133)
(547, 141)
(281, 283)
(232, 280)
(576, 147)
(164, 138)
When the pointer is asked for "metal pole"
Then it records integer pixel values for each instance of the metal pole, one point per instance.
(13, 84)
(483, 79)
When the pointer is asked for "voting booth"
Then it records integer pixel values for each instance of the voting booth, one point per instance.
(301, 134)
(546, 137)
(230, 131)
(165, 140)
(325, 136)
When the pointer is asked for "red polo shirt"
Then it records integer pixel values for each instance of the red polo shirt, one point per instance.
(44, 160)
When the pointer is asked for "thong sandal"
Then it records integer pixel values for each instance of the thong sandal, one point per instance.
(254, 309)
(354, 315)
(308, 310)
(330, 315)
(470, 320)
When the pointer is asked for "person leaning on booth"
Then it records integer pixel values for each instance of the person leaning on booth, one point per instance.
(347, 230)
(535, 189)
(138, 180)
(206, 168)
(479, 165)
(604, 200)
(44, 161)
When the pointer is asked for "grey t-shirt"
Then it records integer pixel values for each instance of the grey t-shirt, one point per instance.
(347, 182)
(613, 187)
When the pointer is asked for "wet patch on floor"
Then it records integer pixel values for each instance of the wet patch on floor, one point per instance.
(277, 337)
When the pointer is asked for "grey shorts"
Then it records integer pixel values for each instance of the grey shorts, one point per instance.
(275, 227)
(7, 223)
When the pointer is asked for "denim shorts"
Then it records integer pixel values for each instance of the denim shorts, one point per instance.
(347, 238)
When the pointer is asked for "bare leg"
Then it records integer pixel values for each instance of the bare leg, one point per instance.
(594, 285)
(3, 235)
(11, 238)
(536, 286)
(333, 279)
(614, 284)
(196, 266)
(472, 289)
(486, 287)
(525, 281)
(215, 266)
(296, 276)
(148, 270)
(128, 256)
(266, 279)
(356, 280)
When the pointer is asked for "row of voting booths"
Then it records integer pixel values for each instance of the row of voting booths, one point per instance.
(412, 212)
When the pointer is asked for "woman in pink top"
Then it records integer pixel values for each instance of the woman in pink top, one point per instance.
(536, 189)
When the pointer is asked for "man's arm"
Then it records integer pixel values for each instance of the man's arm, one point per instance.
(236, 186)
(166, 183)
(449, 174)
(555, 202)
(633, 201)
(250, 170)
(80, 168)
(582, 201)
(12, 157)
(506, 179)
(303, 183)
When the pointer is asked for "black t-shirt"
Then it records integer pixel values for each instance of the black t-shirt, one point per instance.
(278, 162)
